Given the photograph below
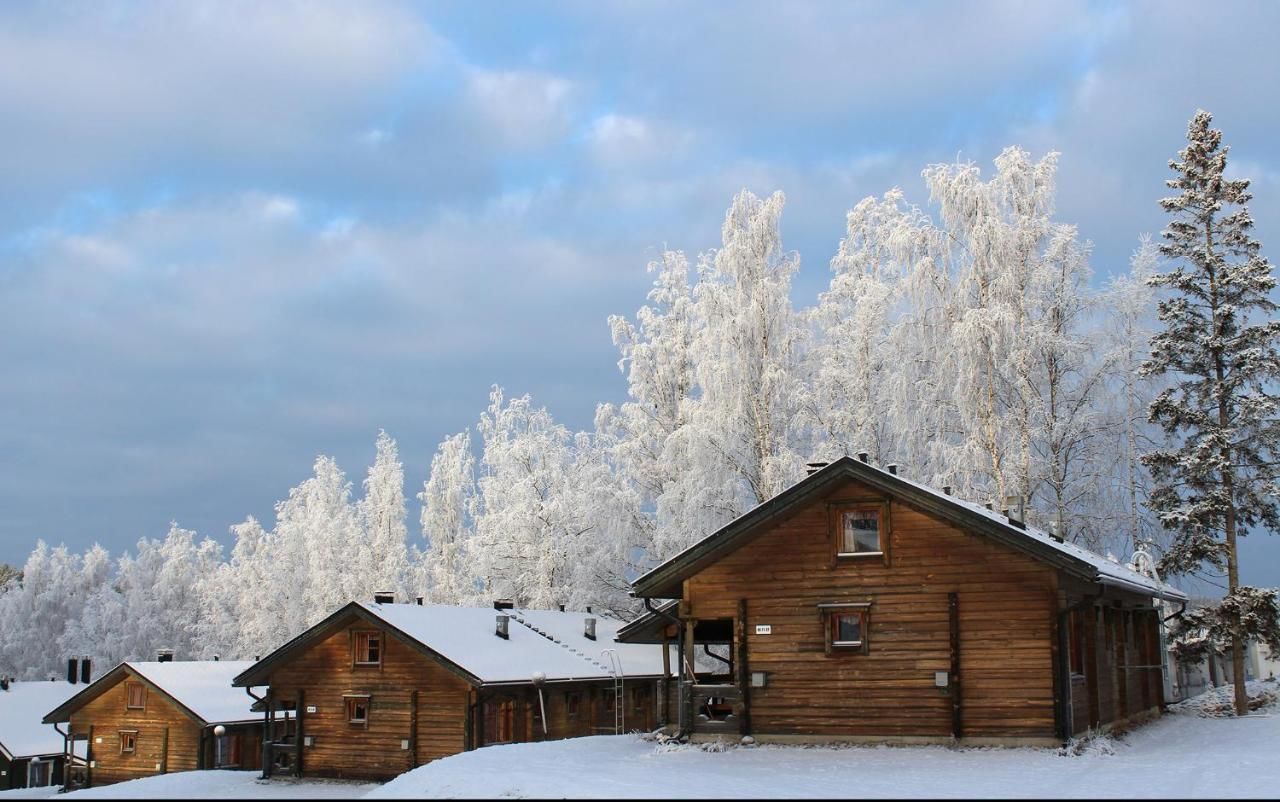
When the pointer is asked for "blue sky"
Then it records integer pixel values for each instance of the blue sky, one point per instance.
(234, 235)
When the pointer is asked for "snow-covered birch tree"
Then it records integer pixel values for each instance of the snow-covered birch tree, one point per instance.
(445, 572)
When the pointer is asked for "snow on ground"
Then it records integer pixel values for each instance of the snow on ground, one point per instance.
(211, 784)
(1182, 755)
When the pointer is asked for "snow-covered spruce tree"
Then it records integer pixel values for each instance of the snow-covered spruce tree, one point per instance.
(1221, 479)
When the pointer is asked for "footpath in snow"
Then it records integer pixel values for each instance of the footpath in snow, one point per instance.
(1183, 755)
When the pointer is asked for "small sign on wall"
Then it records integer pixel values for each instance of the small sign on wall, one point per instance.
(764, 629)
(311, 708)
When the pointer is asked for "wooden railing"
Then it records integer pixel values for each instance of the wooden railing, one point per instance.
(715, 709)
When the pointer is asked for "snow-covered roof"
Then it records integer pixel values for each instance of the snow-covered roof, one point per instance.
(21, 709)
(663, 580)
(202, 686)
(546, 641)
(567, 628)
(1110, 571)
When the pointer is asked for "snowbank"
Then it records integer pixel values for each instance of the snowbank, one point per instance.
(1177, 756)
(212, 784)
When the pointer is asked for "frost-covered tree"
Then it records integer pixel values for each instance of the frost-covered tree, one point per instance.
(382, 515)
(38, 610)
(8, 574)
(657, 360)
(316, 542)
(848, 393)
(1218, 345)
(529, 522)
(161, 590)
(1127, 327)
(746, 356)
(448, 496)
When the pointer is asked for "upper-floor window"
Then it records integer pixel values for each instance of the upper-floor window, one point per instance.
(366, 647)
(860, 529)
(135, 695)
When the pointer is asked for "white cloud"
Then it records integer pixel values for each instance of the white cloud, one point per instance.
(525, 109)
(617, 140)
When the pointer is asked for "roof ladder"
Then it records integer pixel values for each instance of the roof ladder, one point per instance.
(619, 698)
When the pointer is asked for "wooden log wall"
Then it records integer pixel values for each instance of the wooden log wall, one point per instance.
(167, 739)
(325, 674)
(1006, 606)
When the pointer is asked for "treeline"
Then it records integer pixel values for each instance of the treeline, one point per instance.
(962, 339)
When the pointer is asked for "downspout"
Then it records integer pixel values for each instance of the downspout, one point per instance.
(68, 747)
(1064, 662)
(266, 732)
(681, 723)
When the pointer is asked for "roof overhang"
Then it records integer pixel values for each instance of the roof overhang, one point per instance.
(666, 580)
(648, 628)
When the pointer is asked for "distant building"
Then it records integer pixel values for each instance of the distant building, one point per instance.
(146, 718)
(32, 754)
(375, 690)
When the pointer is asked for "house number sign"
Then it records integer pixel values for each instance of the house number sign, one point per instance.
(764, 629)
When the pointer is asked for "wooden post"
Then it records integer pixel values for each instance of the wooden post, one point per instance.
(1122, 678)
(413, 729)
(164, 751)
(200, 761)
(664, 687)
(953, 610)
(267, 725)
(88, 759)
(1091, 665)
(744, 670)
(300, 715)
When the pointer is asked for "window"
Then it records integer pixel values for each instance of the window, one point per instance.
(609, 701)
(367, 648)
(572, 700)
(860, 529)
(128, 741)
(847, 626)
(136, 694)
(358, 710)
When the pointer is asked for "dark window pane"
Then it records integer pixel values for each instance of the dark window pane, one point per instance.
(861, 530)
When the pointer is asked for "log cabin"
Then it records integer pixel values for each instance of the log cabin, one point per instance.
(375, 690)
(145, 718)
(32, 754)
(858, 605)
